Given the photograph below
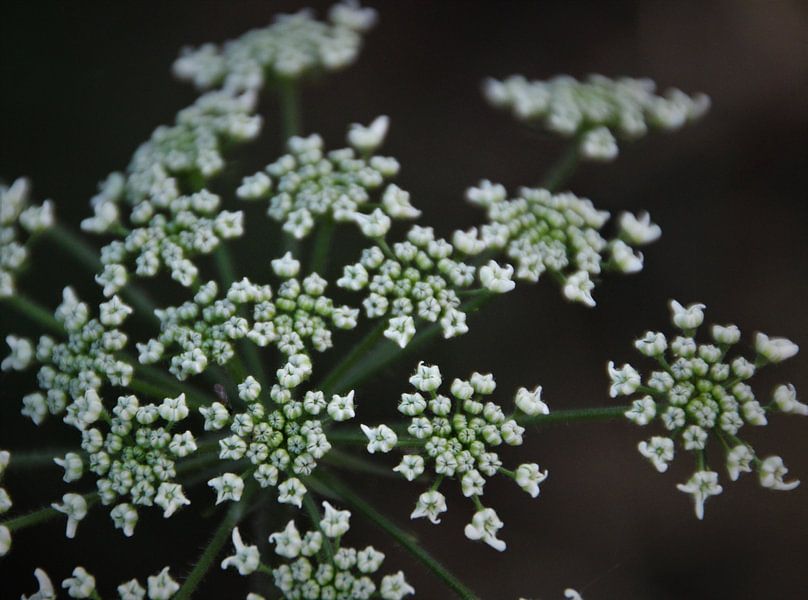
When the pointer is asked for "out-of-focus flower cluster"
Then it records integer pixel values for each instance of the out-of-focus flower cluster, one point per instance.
(702, 390)
(456, 437)
(597, 110)
(17, 212)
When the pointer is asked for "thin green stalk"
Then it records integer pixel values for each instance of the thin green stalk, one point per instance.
(46, 513)
(575, 415)
(322, 248)
(34, 311)
(290, 107)
(329, 385)
(564, 167)
(220, 537)
(357, 464)
(35, 459)
(402, 537)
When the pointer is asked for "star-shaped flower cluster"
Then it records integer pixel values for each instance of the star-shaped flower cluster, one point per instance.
(702, 390)
(311, 186)
(597, 110)
(419, 279)
(283, 443)
(317, 566)
(73, 371)
(456, 437)
(560, 234)
(293, 46)
(17, 210)
(297, 318)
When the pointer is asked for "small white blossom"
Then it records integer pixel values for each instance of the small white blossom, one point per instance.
(367, 139)
(659, 450)
(772, 471)
(124, 517)
(701, 485)
(335, 523)
(81, 585)
(73, 466)
(598, 144)
(430, 505)
(625, 380)
(286, 266)
(395, 587)
(170, 498)
(411, 466)
(496, 278)
(528, 477)
(651, 344)
(687, 318)
(775, 349)
(162, 586)
(642, 411)
(174, 409)
(75, 507)
(739, 460)
(288, 542)
(22, 352)
(380, 438)
(484, 526)
(341, 408)
(578, 288)
(131, 590)
(228, 486)
(426, 378)
(291, 491)
(531, 403)
(246, 559)
(785, 399)
(726, 334)
(46, 591)
(638, 230)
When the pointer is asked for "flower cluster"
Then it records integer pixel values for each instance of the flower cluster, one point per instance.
(318, 566)
(310, 186)
(282, 445)
(457, 437)
(294, 46)
(702, 389)
(596, 110)
(559, 234)
(205, 329)
(16, 209)
(78, 367)
(81, 584)
(419, 278)
(165, 226)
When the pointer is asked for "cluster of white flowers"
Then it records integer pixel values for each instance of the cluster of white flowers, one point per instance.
(456, 437)
(310, 186)
(282, 444)
(597, 110)
(205, 329)
(319, 567)
(702, 389)
(293, 46)
(559, 234)
(418, 279)
(16, 209)
(73, 371)
(82, 585)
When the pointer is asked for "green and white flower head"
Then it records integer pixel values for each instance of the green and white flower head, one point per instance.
(317, 565)
(74, 507)
(595, 111)
(308, 186)
(701, 390)
(560, 234)
(16, 214)
(456, 438)
(294, 46)
(80, 585)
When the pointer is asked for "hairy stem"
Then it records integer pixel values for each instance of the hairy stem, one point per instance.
(401, 536)
(46, 513)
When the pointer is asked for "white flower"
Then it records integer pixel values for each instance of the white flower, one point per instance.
(374, 225)
(291, 491)
(726, 334)
(571, 594)
(484, 526)
(131, 590)
(182, 444)
(21, 354)
(427, 378)
(335, 523)
(739, 460)
(659, 450)
(625, 380)
(286, 266)
(496, 278)
(531, 403)
(46, 591)
(400, 330)
(380, 438)
(651, 344)
(771, 472)
(75, 507)
(395, 587)
(341, 408)
(288, 542)
(528, 477)
(578, 288)
(124, 517)
(246, 559)
(411, 466)
(162, 586)
(694, 438)
(367, 139)
(687, 318)
(775, 349)
(73, 466)
(642, 411)
(701, 485)
(170, 497)
(430, 504)
(216, 416)
(396, 203)
(5, 540)
(785, 398)
(228, 486)
(471, 483)
(174, 409)
(599, 144)
(638, 230)
(81, 585)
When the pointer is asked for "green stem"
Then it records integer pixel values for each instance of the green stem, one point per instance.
(322, 247)
(329, 385)
(34, 311)
(46, 513)
(35, 459)
(561, 171)
(575, 415)
(220, 536)
(402, 537)
(290, 108)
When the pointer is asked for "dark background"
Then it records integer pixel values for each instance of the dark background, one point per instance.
(84, 83)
